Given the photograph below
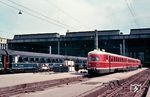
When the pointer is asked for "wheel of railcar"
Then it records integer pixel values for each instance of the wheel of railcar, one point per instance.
(92, 73)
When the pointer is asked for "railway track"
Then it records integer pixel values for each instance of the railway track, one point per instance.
(38, 86)
(134, 86)
(116, 88)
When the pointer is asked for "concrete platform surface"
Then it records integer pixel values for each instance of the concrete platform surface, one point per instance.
(16, 79)
(74, 90)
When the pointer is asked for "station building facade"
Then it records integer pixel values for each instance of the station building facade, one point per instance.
(136, 44)
(3, 43)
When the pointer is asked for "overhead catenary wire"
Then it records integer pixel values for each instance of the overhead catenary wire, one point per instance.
(67, 14)
(38, 13)
(39, 16)
(131, 9)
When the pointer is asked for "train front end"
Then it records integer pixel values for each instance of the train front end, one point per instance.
(93, 62)
(98, 62)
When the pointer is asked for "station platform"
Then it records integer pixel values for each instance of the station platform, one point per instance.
(81, 88)
(22, 78)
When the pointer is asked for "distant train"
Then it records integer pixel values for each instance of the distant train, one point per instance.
(103, 62)
(14, 61)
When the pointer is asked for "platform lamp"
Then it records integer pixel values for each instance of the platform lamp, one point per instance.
(19, 12)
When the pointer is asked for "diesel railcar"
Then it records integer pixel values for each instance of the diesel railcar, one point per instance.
(103, 62)
(16, 61)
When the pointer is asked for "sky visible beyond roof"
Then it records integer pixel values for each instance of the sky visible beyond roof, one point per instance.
(41, 16)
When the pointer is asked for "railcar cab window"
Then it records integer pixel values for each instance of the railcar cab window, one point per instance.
(93, 58)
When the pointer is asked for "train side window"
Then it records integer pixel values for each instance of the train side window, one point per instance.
(25, 59)
(77, 61)
(20, 59)
(42, 60)
(60, 61)
(111, 59)
(37, 60)
(106, 57)
(32, 60)
(48, 60)
(84, 61)
(53, 60)
(57, 60)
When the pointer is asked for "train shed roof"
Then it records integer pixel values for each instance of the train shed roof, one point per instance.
(140, 31)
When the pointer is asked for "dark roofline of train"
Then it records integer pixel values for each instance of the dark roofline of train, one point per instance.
(24, 53)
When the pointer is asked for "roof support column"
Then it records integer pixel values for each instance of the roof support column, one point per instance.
(96, 39)
(124, 46)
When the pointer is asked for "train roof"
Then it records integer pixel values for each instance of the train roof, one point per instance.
(34, 54)
(103, 52)
(23, 53)
(2, 52)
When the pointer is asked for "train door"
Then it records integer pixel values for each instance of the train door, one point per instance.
(5, 62)
(109, 63)
(10, 59)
